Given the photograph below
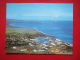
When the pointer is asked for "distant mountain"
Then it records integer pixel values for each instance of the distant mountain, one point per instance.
(23, 21)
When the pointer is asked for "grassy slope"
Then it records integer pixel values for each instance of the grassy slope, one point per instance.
(17, 31)
(31, 31)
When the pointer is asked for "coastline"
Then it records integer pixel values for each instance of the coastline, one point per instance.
(55, 45)
(63, 34)
(32, 29)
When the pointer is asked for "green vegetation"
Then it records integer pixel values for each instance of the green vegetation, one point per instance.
(20, 31)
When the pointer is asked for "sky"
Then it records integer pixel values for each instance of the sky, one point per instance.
(39, 11)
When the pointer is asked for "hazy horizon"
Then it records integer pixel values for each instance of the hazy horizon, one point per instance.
(39, 11)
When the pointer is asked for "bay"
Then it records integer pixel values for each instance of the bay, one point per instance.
(62, 30)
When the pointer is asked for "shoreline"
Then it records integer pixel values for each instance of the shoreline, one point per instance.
(47, 35)
(10, 22)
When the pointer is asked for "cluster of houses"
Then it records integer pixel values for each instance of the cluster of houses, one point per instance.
(43, 48)
(25, 43)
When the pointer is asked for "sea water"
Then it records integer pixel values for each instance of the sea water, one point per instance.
(62, 30)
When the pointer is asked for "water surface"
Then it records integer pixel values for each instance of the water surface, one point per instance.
(60, 29)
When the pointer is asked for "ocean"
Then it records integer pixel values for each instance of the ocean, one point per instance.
(62, 30)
